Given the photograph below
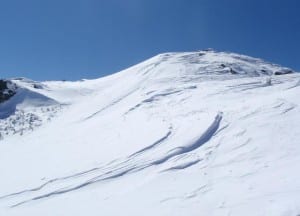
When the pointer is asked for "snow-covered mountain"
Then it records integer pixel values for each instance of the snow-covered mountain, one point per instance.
(195, 133)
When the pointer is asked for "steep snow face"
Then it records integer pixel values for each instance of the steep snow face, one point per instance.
(205, 132)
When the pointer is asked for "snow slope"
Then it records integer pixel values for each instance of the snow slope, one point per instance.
(197, 133)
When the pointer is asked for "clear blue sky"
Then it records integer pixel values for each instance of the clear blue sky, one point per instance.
(74, 39)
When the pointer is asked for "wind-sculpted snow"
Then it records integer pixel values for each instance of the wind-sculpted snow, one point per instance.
(155, 144)
(111, 168)
(123, 167)
(205, 132)
(184, 165)
(199, 142)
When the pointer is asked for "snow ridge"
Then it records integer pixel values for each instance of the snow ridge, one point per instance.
(178, 134)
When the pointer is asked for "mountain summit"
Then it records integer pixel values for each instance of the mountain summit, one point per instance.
(206, 132)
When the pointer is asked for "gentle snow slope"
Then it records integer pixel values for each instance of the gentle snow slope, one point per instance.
(200, 133)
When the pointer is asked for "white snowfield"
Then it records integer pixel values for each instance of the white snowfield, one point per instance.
(198, 133)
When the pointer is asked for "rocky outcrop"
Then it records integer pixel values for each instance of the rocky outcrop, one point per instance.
(7, 90)
(283, 71)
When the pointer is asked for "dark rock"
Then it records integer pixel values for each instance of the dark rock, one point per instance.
(283, 72)
(2, 85)
(263, 71)
(7, 90)
(37, 86)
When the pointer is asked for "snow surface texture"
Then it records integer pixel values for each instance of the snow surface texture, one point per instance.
(200, 133)
(25, 109)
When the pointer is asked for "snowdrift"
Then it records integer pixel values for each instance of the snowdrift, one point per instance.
(194, 133)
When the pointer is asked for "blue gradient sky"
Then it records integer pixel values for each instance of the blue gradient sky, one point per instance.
(74, 39)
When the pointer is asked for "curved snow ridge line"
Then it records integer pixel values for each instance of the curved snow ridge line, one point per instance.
(149, 68)
(221, 129)
(48, 183)
(244, 87)
(79, 186)
(295, 85)
(155, 144)
(152, 99)
(69, 177)
(66, 190)
(204, 138)
(80, 174)
(290, 108)
(76, 175)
